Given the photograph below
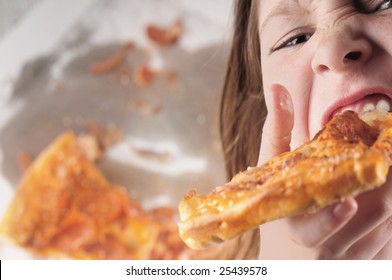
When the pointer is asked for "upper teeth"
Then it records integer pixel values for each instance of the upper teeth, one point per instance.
(381, 105)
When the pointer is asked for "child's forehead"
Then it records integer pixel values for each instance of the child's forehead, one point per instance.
(286, 5)
(300, 8)
(284, 8)
(291, 6)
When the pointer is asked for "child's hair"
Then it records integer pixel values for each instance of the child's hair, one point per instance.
(243, 110)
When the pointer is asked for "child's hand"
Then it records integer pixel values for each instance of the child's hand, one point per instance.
(358, 228)
(323, 234)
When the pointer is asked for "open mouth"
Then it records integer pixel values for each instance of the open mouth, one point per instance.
(376, 101)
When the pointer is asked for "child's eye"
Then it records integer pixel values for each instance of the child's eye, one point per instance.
(372, 6)
(385, 5)
(292, 41)
(297, 40)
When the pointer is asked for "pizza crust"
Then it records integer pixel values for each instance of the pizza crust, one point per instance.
(64, 207)
(349, 156)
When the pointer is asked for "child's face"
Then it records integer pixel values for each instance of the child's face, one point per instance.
(331, 55)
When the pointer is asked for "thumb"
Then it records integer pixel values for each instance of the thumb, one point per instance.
(277, 128)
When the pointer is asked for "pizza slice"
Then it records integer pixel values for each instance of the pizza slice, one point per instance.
(349, 156)
(64, 207)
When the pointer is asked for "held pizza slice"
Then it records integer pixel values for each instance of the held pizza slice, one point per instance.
(64, 207)
(349, 156)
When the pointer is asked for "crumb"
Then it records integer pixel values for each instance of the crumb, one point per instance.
(144, 107)
(105, 136)
(161, 157)
(129, 45)
(144, 76)
(124, 75)
(24, 160)
(108, 65)
(147, 50)
(165, 36)
(171, 78)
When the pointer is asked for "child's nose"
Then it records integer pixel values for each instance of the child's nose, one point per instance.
(340, 51)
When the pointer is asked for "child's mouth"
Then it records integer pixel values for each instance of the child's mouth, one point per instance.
(376, 101)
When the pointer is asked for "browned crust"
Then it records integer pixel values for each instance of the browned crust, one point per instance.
(65, 207)
(346, 158)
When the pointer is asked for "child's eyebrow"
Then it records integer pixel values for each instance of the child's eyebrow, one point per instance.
(285, 8)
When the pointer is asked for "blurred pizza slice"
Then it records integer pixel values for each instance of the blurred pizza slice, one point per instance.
(64, 207)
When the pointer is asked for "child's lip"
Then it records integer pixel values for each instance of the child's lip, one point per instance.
(371, 102)
(356, 101)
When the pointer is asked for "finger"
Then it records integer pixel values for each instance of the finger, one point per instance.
(369, 246)
(276, 135)
(374, 208)
(312, 230)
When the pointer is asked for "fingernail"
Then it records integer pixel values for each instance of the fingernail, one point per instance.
(343, 210)
(283, 98)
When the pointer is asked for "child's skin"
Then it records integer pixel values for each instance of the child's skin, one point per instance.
(320, 57)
